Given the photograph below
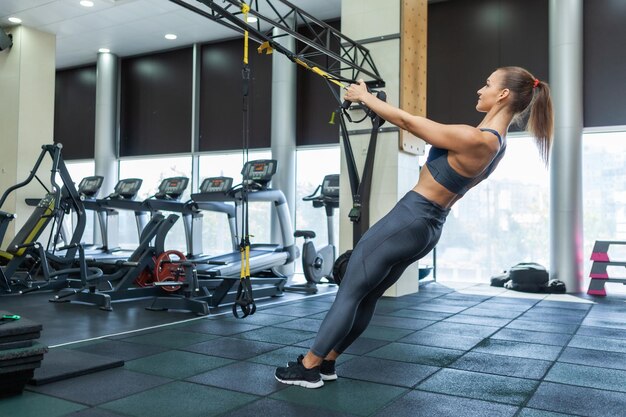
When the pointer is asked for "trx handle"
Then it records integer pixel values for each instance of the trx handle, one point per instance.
(244, 299)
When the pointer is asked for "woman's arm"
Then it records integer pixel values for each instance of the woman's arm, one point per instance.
(451, 137)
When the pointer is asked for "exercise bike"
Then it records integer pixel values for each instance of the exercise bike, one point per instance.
(317, 264)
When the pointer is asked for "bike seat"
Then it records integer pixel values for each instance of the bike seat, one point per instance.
(307, 234)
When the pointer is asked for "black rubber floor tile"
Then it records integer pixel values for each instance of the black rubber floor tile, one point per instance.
(495, 304)
(421, 403)
(588, 376)
(439, 308)
(524, 324)
(591, 357)
(564, 305)
(94, 412)
(221, 327)
(598, 343)
(607, 332)
(501, 389)
(385, 371)
(364, 345)
(555, 339)
(232, 348)
(170, 338)
(32, 404)
(531, 412)
(400, 322)
(527, 302)
(613, 323)
(578, 400)
(344, 396)
(101, 387)
(259, 319)
(385, 333)
(461, 329)
(495, 313)
(276, 335)
(443, 340)
(502, 365)
(311, 325)
(540, 318)
(295, 310)
(269, 408)
(122, 350)
(248, 377)
(518, 349)
(556, 311)
(180, 399)
(478, 320)
(425, 355)
(176, 364)
(419, 314)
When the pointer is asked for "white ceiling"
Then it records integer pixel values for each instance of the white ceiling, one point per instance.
(128, 27)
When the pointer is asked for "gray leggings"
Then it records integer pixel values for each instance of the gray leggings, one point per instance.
(407, 233)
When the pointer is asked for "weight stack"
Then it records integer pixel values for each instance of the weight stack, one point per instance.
(20, 354)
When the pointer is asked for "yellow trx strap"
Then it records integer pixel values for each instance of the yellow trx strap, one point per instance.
(245, 9)
(265, 47)
(320, 72)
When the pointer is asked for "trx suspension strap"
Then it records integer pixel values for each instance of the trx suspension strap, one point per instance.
(244, 300)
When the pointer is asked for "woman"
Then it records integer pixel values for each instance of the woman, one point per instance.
(461, 157)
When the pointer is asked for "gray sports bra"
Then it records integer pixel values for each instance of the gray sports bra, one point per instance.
(444, 174)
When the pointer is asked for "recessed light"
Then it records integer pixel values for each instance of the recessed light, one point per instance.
(104, 50)
(251, 19)
(15, 20)
(86, 3)
(171, 36)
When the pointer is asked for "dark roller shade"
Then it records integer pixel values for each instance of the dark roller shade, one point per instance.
(75, 111)
(316, 103)
(221, 98)
(468, 40)
(604, 46)
(155, 110)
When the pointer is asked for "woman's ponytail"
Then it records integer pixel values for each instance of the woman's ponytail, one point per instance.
(541, 120)
(531, 96)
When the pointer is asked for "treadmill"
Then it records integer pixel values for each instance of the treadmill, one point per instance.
(215, 277)
(167, 199)
(265, 256)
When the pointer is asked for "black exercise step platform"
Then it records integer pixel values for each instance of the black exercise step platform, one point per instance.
(20, 354)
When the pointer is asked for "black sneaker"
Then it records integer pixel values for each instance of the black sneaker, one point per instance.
(327, 368)
(296, 374)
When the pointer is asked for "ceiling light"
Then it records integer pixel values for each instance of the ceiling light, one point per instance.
(251, 19)
(171, 36)
(104, 50)
(86, 3)
(15, 20)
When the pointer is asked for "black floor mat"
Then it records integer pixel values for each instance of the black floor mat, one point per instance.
(60, 364)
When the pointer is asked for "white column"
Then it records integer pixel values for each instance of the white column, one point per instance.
(395, 172)
(566, 81)
(27, 79)
(283, 136)
(105, 148)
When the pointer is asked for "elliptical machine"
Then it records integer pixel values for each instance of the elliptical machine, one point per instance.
(317, 264)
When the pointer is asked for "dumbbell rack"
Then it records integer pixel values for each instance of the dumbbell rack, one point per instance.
(599, 274)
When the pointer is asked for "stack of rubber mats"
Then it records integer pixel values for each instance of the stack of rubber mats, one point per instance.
(20, 353)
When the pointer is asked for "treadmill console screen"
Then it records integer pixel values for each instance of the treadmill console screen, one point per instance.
(172, 188)
(127, 188)
(261, 170)
(330, 186)
(216, 185)
(89, 186)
